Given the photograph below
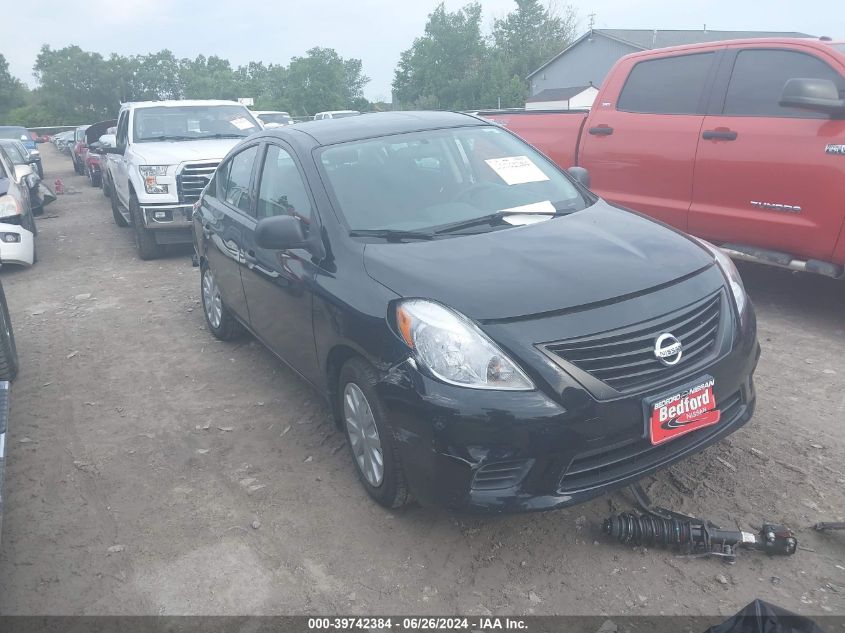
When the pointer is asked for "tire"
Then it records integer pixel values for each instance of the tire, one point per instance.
(220, 321)
(95, 180)
(357, 378)
(8, 351)
(119, 219)
(106, 186)
(145, 240)
(76, 166)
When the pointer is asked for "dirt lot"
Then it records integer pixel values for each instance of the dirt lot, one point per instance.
(141, 451)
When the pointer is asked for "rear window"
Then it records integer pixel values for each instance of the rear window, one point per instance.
(669, 85)
(17, 133)
(281, 119)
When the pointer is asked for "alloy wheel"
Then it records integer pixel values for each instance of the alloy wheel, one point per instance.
(363, 434)
(211, 299)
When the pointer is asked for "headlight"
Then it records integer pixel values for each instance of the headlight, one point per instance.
(9, 206)
(455, 350)
(149, 174)
(731, 274)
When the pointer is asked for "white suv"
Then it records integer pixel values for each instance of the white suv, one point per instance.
(165, 153)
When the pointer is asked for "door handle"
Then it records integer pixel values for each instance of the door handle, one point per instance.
(601, 130)
(719, 135)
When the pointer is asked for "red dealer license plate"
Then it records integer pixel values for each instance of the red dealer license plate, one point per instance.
(683, 412)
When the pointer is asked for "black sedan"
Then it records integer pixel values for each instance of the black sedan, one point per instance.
(489, 333)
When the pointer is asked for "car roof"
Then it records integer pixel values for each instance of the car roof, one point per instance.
(175, 103)
(331, 131)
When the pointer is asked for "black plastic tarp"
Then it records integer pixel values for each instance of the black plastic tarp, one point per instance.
(762, 617)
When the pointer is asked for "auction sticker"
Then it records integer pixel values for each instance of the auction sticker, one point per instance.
(683, 412)
(241, 123)
(516, 170)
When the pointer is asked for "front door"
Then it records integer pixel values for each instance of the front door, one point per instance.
(120, 172)
(763, 176)
(641, 150)
(278, 284)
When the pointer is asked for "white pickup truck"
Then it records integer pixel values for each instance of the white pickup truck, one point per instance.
(165, 152)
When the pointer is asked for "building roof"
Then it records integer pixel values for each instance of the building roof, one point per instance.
(557, 94)
(646, 39)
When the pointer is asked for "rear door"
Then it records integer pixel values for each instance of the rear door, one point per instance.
(763, 176)
(641, 150)
(226, 210)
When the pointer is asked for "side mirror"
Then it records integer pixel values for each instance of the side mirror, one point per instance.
(280, 233)
(45, 194)
(31, 180)
(818, 95)
(581, 175)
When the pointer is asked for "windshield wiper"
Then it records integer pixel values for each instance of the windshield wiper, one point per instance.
(495, 217)
(167, 137)
(229, 135)
(392, 235)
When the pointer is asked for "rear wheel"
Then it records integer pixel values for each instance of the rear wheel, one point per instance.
(106, 184)
(370, 435)
(94, 178)
(145, 240)
(8, 351)
(221, 323)
(76, 166)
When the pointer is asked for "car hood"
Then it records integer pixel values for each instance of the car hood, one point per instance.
(176, 152)
(594, 255)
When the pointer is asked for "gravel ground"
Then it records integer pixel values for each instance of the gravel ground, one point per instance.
(153, 470)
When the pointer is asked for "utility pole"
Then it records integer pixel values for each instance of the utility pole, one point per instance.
(592, 17)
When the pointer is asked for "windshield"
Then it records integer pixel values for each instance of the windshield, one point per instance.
(424, 180)
(187, 123)
(17, 133)
(281, 119)
(15, 151)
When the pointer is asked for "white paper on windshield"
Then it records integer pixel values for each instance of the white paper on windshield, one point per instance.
(521, 220)
(516, 170)
(534, 207)
(241, 123)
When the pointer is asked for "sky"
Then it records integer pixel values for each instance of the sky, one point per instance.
(375, 31)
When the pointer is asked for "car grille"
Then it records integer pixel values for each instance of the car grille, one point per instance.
(625, 360)
(192, 179)
(592, 469)
(503, 474)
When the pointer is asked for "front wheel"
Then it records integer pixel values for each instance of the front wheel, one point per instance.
(370, 435)
(145, 239)
(220, 321)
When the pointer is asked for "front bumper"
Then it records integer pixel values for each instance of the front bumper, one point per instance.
(21, 252)
(171, 222)
(527, 451)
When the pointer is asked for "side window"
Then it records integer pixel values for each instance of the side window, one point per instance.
(122, 127)
(282, 191)
(759, 76)
(217, 186)
(238, 177)
(669, 85)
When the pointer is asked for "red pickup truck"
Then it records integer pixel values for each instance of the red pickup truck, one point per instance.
(739, 142)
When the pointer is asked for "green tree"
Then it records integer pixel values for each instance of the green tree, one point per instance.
(12, 91)
(532, 34)
(323, 80)
(444, 68)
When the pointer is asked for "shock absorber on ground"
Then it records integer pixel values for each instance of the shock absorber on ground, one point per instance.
(693, 535)
(661, 527)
